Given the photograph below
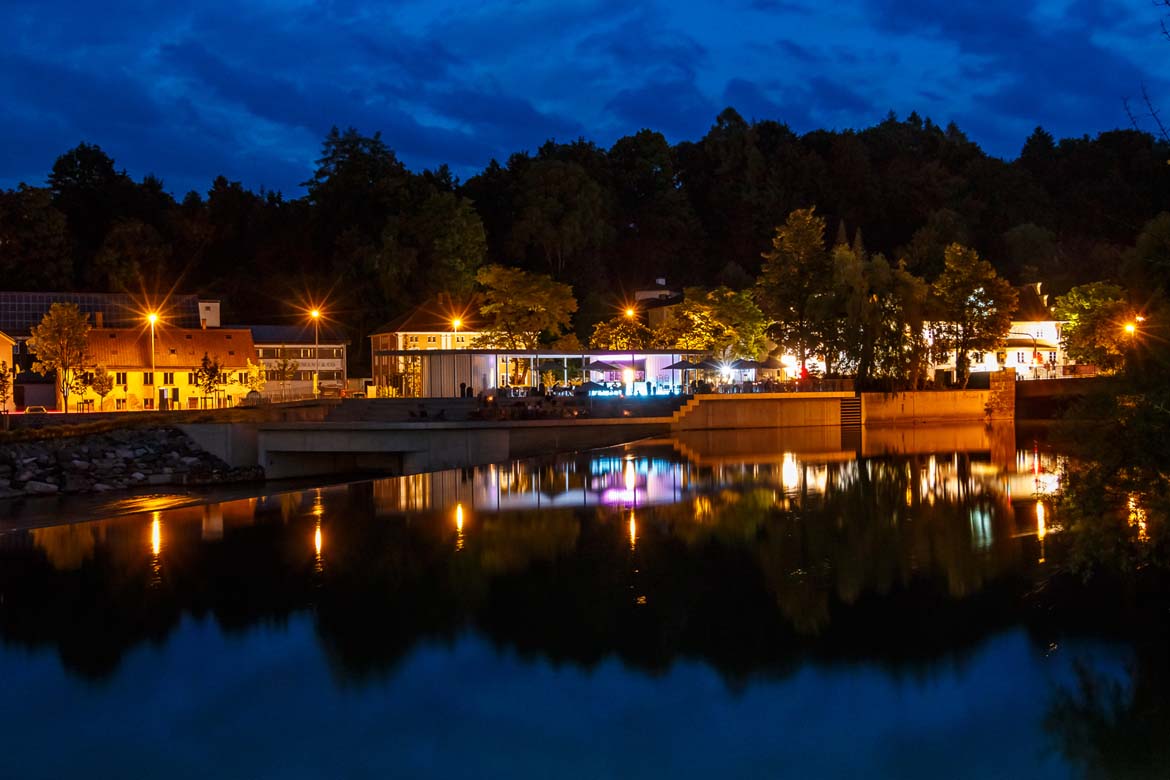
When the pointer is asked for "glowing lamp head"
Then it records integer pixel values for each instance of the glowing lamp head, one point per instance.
(628, 375)
(152, 318)
(456, 323)
(1130, 328)
(630, 312)
(315, 314)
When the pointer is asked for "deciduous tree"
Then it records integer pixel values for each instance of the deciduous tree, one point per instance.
(61, 343)
(519, 307)
(5, 386)
(620, 332)
(795, 278)
(1094, 317)
(974, 307)
(102, 383)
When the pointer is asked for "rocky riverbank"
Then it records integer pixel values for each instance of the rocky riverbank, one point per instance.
(116, 460)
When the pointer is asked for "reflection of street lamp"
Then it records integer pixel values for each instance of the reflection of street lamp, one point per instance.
(315, 314)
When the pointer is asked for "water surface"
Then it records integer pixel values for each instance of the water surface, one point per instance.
(764, 604)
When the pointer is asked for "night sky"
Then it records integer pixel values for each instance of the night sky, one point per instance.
(249, 89)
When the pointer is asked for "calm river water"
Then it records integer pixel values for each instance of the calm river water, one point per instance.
(727, 605)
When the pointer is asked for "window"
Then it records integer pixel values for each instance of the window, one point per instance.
(242, 377)
(168, 377)
(147, 403)
(119, 377)
(1021, 358)
(430, 339)
(1051, 357)
(119, 404)
(147, 378)
(190, 377)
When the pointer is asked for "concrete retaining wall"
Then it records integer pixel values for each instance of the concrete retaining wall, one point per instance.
(233, 443)
(924, 406)
(760, 410)
(410, 448)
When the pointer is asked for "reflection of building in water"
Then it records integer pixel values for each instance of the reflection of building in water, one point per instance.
(617, 480)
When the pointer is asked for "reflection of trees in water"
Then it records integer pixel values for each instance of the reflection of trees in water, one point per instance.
(868, 530)
(1116, 496)
(747, 578)
(1111, 728)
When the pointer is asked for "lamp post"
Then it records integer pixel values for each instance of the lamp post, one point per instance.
(315, 314)
(630, 314)
(152, 318)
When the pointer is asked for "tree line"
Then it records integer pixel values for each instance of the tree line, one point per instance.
(375, 238)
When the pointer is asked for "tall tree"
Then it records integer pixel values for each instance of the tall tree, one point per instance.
(519, 307)
(61, 345)
(561, 216)
(133, 256)
(35, 250)
(724, 322)
(91, 193)
(1094, 317)
(795, 279)
(974, 307)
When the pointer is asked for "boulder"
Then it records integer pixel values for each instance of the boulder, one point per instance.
(40, 488)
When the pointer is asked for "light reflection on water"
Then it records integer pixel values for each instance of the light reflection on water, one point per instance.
(758, 559)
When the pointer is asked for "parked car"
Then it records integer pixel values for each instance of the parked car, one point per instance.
(35, 410)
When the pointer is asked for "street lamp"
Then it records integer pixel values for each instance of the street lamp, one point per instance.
(630, 312)
(315, 314)
(152, 318)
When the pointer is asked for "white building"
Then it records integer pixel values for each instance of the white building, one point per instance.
(291, 354)
(440, 323)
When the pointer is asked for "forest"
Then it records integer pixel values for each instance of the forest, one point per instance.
(371, 238)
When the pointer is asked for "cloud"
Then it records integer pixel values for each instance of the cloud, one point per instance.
(677, 109)
(190, 91)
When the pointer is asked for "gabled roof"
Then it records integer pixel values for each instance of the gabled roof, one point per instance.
(174, 348)
(1032, 305)
(437, 316)
(294, 334)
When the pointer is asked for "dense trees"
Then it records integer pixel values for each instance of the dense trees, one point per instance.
(378, 237)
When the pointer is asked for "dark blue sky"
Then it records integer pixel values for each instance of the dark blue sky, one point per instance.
(248, 89)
